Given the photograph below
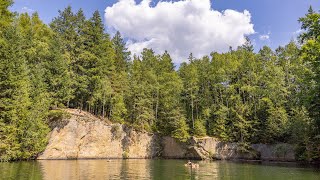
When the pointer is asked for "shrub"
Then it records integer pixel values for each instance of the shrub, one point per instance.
(125, 155)
(116, 131)
(58, 118)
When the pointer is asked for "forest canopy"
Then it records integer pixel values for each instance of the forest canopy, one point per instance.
(239, 96)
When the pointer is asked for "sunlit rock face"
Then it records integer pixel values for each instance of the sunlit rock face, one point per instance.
(85, 137)
(212, 148)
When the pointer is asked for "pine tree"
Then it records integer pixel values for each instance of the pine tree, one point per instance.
(142, 111)
(122, 54)
(310, 53)
(5, 14)
(189, 74)
(22, 135)
(65, 27)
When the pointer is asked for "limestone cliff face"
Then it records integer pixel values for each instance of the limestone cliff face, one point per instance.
(84, 136)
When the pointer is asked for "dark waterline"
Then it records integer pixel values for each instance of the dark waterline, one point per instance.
(152, 169)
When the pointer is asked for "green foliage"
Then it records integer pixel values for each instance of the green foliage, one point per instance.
(199, 128)
(277, 122)
(244, 147)
(301, 126)
(181, 130)
(219, 127)
(56, 115)
(125, 155)
(116, 131)
(23, 130)
(118, 110)
(5, 14)
(239, 96)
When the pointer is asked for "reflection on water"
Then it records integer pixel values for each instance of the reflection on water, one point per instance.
(149, 169)
(96, 169)
(20, 170)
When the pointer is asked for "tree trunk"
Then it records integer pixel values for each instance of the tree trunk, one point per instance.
(103, 110)
(192, 110)
(157, 104)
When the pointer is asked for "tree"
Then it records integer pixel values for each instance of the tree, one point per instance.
(189, 75)
(22, 129)
(311, 53)
(122, 54)
(220, 126)
(141, 104)
(5, 14)
(199, 128)
(14, 96)
(64, 27)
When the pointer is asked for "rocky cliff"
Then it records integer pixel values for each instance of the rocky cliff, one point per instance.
(85, 136)
(212, 148)
(82, 135)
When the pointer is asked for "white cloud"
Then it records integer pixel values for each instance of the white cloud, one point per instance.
(265, 37)
(180, 27)
(26, 10)
(298, 32)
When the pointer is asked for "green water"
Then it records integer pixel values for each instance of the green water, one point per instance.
(151, 169)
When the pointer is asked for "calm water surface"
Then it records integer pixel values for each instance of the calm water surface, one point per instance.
(151, 169)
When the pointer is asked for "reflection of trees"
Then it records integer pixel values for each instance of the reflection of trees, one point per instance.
(209, 170)
(172, 169)
(20, 170)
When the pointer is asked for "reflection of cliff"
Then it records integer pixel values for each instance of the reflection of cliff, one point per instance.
(96, 169)
(208, 171)
(135, 169)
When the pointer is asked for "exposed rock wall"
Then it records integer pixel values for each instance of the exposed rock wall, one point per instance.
(85, 136)
(89, 137)
(208, 148)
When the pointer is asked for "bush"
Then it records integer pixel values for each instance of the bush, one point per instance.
(116, 131)
(125, 155)
(57, 115)
(58, 118)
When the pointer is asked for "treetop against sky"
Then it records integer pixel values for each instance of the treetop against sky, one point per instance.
(184, 26)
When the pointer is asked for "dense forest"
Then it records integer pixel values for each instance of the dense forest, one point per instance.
(238, 96)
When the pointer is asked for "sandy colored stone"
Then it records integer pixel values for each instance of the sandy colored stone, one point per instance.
(86, 136)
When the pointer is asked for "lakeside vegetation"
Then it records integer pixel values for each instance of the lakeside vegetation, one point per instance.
(238, 96)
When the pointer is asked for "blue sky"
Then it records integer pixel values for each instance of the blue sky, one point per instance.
(274, 21)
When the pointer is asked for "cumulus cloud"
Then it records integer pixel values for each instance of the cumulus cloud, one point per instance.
(180, 27)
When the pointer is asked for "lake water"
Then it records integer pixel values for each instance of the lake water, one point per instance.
(151, 169)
